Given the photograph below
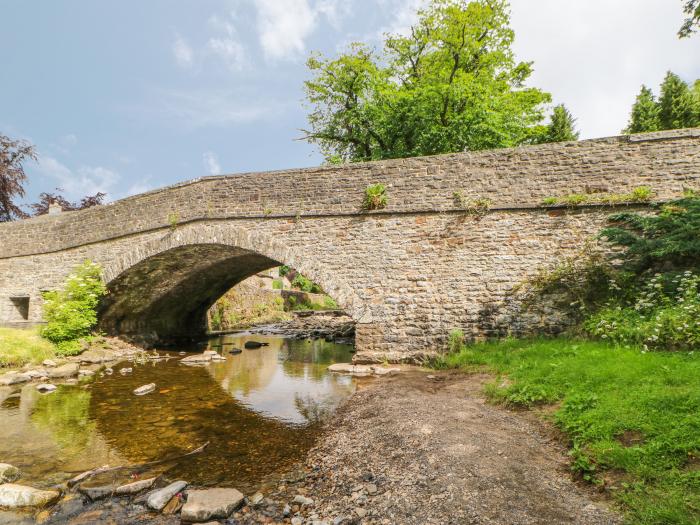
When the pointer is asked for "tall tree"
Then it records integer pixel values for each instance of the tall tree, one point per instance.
(692, 9)
(676, 104)
(562, 126)
(450, 84)
(645, 113)
(13, 155)
(46, 199)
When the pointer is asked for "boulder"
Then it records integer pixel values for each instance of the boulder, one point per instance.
(349, 368)
(196, 359)
(14, 496)
(159, 498)
(135, 487)
(46, 387)
(49, 363)
(67, 370)
(145, 389)
(8, 473)
(99, 492)
(96, 357)
(204, 505)
(13, 378)
(254, 344)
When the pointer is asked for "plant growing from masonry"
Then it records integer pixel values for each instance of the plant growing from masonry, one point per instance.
(477, 207)
(71, 313)
(637, 195)
(375, 197)
(173, 220)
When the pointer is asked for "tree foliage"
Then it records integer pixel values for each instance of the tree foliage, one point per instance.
(46, 199)
(690, 25)
(562, 126)
(451, 84)
(13, 155)
(678, 106)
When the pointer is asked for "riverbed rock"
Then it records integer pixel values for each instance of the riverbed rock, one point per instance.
(349, 368)
(8, 473)
(145, 389)
(98, 492)
(252, 345)
(303, 500)
(135, 487)
(96, 356)
(36, 373)
(46, 387)
(67, 370)
(385, 370)
(159, 498)
(49, 363)
(13, 378)
(14, 496)
(197, 359)
(125, 370)
(203, 505)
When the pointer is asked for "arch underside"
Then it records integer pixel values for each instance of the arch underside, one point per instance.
(163, 299)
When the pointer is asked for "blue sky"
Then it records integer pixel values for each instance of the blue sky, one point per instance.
(128, 96)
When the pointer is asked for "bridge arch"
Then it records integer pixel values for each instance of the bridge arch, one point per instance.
(161, 289)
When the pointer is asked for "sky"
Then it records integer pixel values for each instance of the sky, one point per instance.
(124, 97)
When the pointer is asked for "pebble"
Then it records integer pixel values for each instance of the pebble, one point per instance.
(145, 389)
(303, 500)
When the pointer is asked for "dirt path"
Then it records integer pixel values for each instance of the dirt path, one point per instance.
(411, 450)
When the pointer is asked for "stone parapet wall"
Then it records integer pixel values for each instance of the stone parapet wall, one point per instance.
(510, 178)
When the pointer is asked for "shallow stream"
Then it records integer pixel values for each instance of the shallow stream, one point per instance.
(259, 410)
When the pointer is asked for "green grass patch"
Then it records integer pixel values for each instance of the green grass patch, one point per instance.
(633, 417)
(19, 347)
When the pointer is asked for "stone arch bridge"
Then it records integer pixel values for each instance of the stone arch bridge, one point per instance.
(407, 274)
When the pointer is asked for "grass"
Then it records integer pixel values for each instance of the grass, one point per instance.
(632, 418)
(19, 347)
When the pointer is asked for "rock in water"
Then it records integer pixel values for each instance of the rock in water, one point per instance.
(145, 389)
(159, 498)
(251, 345)
(67, 370)
(135, 487)
(14, 496)
(8, 473)
(13, 378)
(196, 359)
(46, 387)
(203, 505)
(235, 351)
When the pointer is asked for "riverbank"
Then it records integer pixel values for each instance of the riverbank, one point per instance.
(630, 418)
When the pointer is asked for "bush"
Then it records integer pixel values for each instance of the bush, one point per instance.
(375, 197)
(71, 313)
(664, 315)
(305, 284)
(455, 341)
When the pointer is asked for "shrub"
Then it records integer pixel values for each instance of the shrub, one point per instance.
(71, 313)
(477, 207)
(375, 197)
(664, 315)
(305, 284)
(276, 284)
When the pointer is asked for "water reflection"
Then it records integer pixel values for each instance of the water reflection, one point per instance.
(258, 410)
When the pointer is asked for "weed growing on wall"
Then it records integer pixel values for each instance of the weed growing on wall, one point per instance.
(637, 195)
(477, 207)
(71, 313)
(375, 197)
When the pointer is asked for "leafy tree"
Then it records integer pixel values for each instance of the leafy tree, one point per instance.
(645, 113)
(692, 9)
(561, 127)
(13, 155)
(451, 84)
(46, 199)
(676, 104)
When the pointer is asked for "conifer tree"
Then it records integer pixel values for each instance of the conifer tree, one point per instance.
(676, 104)
(645, 113)
(561, 127)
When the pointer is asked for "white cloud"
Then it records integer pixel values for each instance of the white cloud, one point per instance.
(211, 163)
(227, 46)
(184, 56)
(85, 180)
(284, 26)
(594, 55)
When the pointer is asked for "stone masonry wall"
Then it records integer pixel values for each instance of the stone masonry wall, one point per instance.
(408, 274)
